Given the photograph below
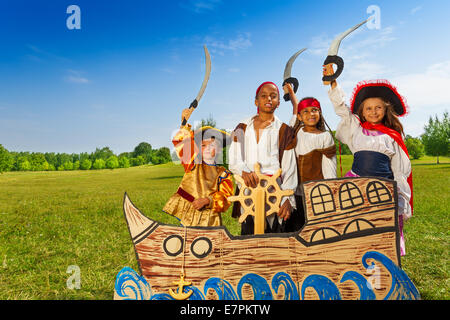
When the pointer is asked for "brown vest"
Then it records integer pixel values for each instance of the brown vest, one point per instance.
(310, 164)
(287, 140)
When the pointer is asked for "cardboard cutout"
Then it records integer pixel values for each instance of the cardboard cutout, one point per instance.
(348, 249)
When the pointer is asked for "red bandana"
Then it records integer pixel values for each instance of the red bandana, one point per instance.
(305, 103)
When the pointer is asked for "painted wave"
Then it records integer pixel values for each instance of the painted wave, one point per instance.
(129, 285)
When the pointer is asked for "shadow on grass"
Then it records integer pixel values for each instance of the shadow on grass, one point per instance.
(166, 178)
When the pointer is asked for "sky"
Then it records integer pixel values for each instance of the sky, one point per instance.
(126, 74)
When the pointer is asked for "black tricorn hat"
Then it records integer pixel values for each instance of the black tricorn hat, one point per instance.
(208, 132)
(378, 89)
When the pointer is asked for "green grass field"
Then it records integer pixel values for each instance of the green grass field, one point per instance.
(52, 220)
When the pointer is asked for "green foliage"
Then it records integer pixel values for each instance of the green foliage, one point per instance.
(85, 164)
(345, 150)
(437, 137)
(68, 165)
(6, 160)
(124, 162)
(98, 164)
(103, 153)
(112, 162)
(415, 147)
(143, 149)
(139, 161)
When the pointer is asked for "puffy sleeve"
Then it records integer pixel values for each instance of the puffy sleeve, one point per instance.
(185, 147)
(349, 122)
(237, 164)
(218, 199)
(293, 121)
(329, 163)
(401, 168)
(289, 175)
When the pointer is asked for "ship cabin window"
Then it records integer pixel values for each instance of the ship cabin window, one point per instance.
(350, 196)
(322, 200)
(378, 193)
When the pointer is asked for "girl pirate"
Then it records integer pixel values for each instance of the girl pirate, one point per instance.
(374, 134)
(315, 149)
(203, 191)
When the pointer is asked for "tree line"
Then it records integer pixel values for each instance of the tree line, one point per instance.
(101, 158)
(434, 142)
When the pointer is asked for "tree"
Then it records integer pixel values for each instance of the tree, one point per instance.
(6, 160)
(143, 149)
(99, 164)
(206, 122)
(85, 164)
(38, 162)
(139, 161)
(415, 147)
(103, 153)
(112, 162)
(124, 162)
(436, 138)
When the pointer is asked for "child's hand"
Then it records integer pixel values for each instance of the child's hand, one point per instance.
(329, 71)
(199, 204)
(287, 88)
(186, 113)
(285, 210)
(250, 179)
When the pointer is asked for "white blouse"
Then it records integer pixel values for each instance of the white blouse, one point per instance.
(350, 132)
(307, 142)
(266, 153)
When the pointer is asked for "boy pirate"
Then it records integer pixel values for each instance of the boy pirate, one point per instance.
(265, 139)
(203, 191)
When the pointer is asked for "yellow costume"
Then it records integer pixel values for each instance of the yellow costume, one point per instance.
(200, 180)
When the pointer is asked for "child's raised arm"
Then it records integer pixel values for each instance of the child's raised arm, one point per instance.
(288, 89)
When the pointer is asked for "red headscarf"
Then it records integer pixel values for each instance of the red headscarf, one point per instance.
(308, 102)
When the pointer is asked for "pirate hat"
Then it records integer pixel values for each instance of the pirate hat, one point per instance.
(378, 89)
(208, 132)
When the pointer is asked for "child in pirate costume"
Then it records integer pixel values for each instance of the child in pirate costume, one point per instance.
(371, 129)
(266, 140)
(315, 149)
(203, 191)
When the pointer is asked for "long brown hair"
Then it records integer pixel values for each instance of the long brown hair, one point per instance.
(390, 119)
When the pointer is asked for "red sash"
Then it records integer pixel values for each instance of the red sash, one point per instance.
(397, 138)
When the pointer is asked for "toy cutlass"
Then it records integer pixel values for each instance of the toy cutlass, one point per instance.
(333, 54)
(194, 103)
(287, 74)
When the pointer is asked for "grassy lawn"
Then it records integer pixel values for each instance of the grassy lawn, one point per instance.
(52, 220)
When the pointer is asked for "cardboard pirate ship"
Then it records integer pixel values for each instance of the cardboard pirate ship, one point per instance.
(348, 249)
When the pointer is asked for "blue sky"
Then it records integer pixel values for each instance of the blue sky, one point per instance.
(125, 76)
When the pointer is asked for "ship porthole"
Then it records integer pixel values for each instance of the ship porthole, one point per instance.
(173, 245)
(201, 247)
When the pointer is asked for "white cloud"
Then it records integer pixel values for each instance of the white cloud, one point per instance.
(426, 89)
(241, 42)
(75, 76)
(415, 10)
(201, 6)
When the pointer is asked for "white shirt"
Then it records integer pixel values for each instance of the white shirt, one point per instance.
(351, 133)
(307, 142)
(266, 153)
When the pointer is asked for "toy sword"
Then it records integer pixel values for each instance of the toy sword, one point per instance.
(334, 58)
(194, 103)
(287, 73)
